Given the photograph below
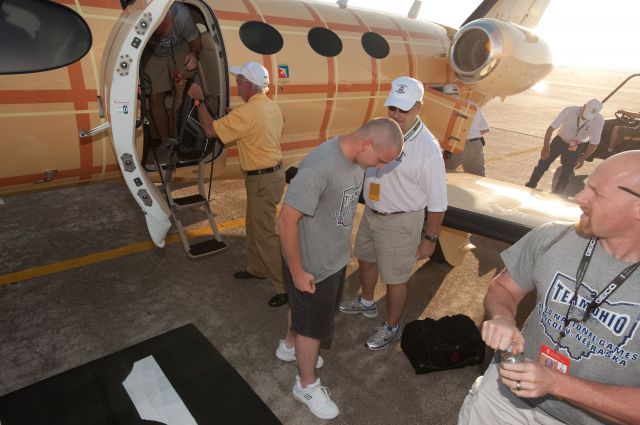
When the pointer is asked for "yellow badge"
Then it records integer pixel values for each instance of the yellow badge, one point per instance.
(374, 191)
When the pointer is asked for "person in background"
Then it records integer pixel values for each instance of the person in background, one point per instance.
(256, 127)
(393, 232)
(170, 57)
(576, 126)
(472, 157)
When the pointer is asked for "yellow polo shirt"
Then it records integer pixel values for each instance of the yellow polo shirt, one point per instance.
(256, 127)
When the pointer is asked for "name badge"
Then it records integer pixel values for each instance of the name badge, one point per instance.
(551, 359)
(374, 191)
(573, 145)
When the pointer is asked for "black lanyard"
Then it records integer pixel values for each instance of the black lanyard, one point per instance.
(615, 283)
(578, 128)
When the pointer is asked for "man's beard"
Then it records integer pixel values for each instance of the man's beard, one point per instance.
(583, 227)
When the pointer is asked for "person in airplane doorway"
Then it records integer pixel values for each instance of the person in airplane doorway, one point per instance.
(316, 223)
(576, 125)
(472, 157)
(393, 232)
(581, 343)
(256, 126)
(170, 57)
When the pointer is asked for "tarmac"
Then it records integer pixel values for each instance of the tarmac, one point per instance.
(79, 279)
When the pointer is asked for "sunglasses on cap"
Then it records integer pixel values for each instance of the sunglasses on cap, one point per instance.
(396, 109)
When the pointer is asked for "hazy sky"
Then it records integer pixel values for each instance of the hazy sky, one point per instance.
(584, 33)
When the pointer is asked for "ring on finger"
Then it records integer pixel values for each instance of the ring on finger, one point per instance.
(518, 386)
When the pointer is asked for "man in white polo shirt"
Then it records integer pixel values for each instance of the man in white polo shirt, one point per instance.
(576, 126)
(393, 232)
(472, 157)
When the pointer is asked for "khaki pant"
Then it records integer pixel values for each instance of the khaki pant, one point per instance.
(471, 159)
(490, 402)
(264, 192)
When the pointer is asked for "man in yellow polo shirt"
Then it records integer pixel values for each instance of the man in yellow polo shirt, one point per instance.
(256, 127)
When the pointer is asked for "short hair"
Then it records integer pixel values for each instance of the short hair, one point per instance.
(384, 132)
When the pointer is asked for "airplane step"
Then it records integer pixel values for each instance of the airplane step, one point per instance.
(186, 201)
(208, 247)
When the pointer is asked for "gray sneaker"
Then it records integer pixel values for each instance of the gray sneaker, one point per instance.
(383, 337)
(356, 307)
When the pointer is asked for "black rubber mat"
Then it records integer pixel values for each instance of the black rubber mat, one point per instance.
(210, 388)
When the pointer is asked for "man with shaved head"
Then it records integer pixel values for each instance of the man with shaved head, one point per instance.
(581, 343)
(316, 222)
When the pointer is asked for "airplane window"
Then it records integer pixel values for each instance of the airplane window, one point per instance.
(261, 38)
(375, 45)
(43, 35)
(324, 42)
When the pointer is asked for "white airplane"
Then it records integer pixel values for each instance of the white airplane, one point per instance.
(331, 68)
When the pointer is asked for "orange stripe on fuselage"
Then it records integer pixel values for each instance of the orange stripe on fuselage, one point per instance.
(405, 38)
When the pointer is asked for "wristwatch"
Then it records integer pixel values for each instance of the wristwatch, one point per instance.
(430, 238)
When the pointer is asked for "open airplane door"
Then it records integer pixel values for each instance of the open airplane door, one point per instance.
(448, 118)
(119, 82)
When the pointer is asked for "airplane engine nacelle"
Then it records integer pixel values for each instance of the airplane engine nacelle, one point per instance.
(498, 58)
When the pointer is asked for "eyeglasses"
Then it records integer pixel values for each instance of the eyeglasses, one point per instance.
(396, 109)
(632, 192)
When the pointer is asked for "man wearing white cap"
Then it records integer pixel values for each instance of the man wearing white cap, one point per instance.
(576, 125)
(393, 233)
(256, 127)
(472, 157)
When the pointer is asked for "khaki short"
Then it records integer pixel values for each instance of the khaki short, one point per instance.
(391, 241)
(159, 70)
(489, 401)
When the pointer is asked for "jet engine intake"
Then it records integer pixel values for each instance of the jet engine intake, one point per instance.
(499, 58)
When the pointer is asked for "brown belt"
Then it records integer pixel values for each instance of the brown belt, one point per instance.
(264, 170)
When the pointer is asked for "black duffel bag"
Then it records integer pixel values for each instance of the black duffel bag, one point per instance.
(447, 343)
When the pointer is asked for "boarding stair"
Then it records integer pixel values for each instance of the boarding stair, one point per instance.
(190, 147)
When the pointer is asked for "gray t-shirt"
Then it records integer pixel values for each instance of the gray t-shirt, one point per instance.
(184, 30)
(605, 348)
(326, 190)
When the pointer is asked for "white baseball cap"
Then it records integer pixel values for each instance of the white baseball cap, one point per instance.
(404, 93)
(591, 109)
(450, 89)
(253, 72)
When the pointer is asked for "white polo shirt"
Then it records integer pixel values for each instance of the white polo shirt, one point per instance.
(479, 123)
(571, 126)
(415, 180)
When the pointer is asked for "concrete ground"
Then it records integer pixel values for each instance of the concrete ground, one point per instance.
(79, 281)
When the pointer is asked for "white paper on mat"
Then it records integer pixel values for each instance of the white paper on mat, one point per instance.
(154, 397)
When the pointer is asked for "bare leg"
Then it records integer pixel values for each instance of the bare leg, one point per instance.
(368, 278)
(159, 115)
(396, 300)
(290, 339)
(307, 350)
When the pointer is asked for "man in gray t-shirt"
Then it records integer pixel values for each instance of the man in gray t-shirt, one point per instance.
(315, 226)
(581, 343)
(169, 58)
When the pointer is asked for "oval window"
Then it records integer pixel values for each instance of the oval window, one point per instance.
(375, 45)
(261, 38)
(44, 35)
(324, 42)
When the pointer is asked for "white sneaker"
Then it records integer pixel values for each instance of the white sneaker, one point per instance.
(317, 398)
(287, 354)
